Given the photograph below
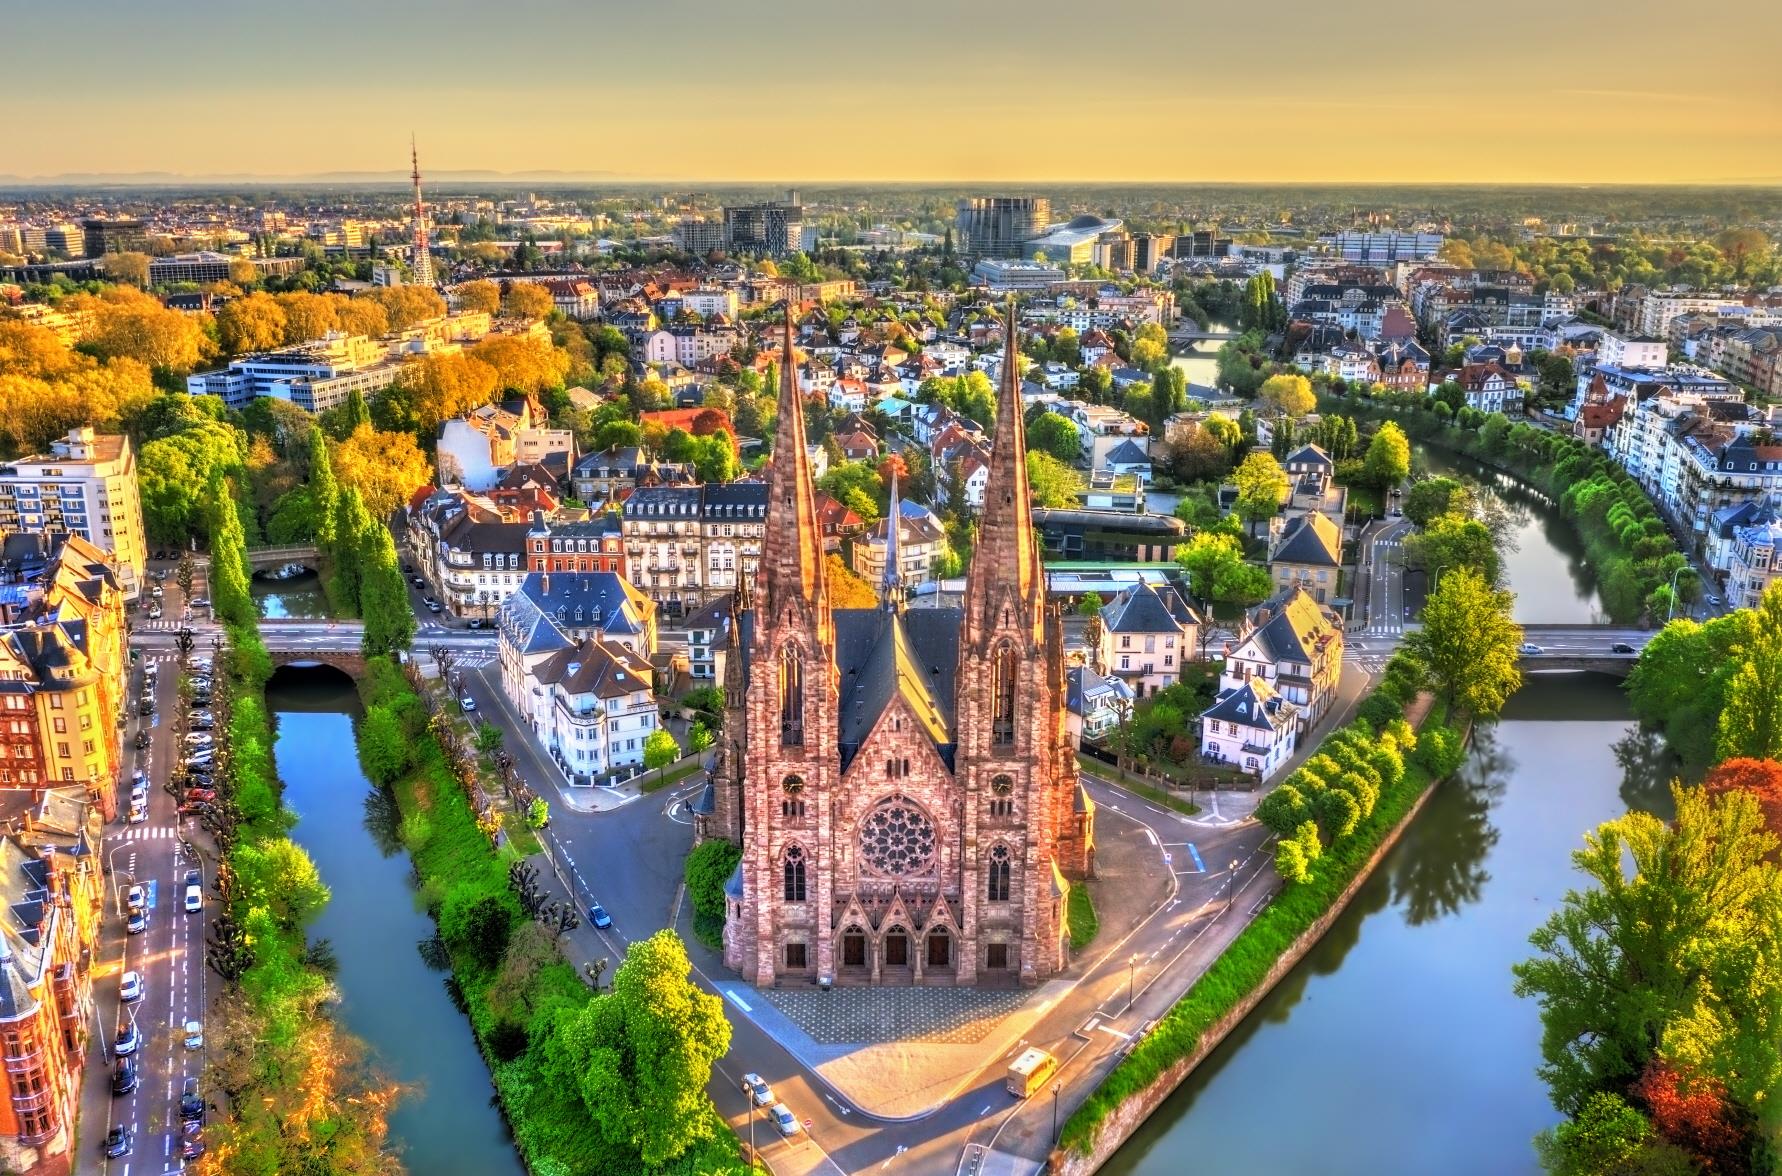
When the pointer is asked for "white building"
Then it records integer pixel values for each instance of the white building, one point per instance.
(1093, 704)
(1251, 727)
(86, 485)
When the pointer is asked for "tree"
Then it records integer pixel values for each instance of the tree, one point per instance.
(641, 1057)
(1608, 1136)
(406, 306)
(1052, 482)
(846, 588)
(660, 750)
(128, 323)
(1197, 455)
(1761, 779)
(128, 267)
(254, 323)
(529, 300)
(1217, 571)
(279, 875)
(1388, 460)
(384, 747)
(1434, 497)
(1450, 542)
(362, 316)
(1681, 959)
(1289, 393)
(1751, 720)
(524, 364)
(477, 921)
(1469, 644)
(1260, 483)
(385, 468)
(437, 388)
(1053, 434)
(481, 295)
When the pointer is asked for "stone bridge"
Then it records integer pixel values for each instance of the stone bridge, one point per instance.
(262, 559)
(1196, 335)
(351, 663)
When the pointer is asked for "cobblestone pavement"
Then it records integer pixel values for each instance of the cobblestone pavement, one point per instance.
(877, 1016)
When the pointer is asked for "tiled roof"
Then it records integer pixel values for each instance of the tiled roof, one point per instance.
(1309, 539)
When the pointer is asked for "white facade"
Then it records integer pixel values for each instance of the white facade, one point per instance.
(86, 485)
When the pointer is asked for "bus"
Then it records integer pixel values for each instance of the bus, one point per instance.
(1029, 1072)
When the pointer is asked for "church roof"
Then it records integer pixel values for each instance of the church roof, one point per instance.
(880, 654)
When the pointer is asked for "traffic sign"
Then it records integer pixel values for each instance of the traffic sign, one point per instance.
(1168, 857)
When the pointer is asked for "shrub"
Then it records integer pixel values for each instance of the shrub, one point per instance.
(477, 920)
(1290, 862)
(1283, 810)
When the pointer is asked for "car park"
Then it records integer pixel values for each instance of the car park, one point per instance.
(118, 1142)
(137, 922)
(784, 1120)
(194, 892)
(126, 1078)
(130, 987)
(127, 1040)
(759, 1092)
(1621, 647)
(597, 915)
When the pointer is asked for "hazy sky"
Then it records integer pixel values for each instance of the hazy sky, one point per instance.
(1585, 90)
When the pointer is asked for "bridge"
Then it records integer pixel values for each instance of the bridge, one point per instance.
(261, 559)
(1196, 335)
(1561, 648)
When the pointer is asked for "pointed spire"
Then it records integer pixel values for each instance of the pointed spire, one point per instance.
(892, 583)
(792, 548)
(1006, 555)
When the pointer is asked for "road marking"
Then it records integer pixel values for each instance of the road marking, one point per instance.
(1152, 836)
(738, 1001)
(1195, 854)
(1111, 1031)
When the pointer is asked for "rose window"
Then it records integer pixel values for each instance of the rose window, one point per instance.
(897, 838)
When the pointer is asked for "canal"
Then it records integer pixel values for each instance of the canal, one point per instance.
(1397, 1046)
(1200, 363)
(389, 997)
(1544, 561)
(290, 597)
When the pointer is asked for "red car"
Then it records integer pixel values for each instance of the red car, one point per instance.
(200, 794)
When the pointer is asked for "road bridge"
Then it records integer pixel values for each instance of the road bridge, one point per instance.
(1196, 335)
(262, 559)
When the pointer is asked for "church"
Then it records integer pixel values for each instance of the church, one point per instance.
(899, 779)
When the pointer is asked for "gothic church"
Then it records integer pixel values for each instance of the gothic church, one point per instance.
(899, 779)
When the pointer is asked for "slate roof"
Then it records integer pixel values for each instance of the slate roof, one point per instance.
(1309, 455)
(1309, 539)
(1082, 683)
(1253, 704)
(1295, 627)
(880, 654)
(533, 617)
(1147, 608)
(594, 667)
(1128, 452)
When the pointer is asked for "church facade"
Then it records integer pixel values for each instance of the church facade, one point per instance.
(899, 780)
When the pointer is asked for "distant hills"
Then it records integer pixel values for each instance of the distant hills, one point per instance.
(163, 178)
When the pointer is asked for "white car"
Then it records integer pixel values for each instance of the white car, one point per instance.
(759, 1092)
(1530, 648)
(130, 987)
(194, 892)
(467, 703)
(785, 1120)
(136, 898)
(194, 1035)
(139, 812)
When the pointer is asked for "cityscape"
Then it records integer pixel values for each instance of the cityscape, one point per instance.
(527, 654)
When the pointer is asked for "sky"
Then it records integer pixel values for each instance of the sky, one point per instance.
(1591, 91)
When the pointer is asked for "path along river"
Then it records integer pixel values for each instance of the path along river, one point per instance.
(1397, 1045)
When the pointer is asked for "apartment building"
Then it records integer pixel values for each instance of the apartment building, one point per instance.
(1658, 307)
(86, 485)
(1756, 561)
(685, 545)
(1148, 633)
(1294, 645)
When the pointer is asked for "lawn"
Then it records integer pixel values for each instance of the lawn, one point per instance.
(659, 779)
(1081, 916)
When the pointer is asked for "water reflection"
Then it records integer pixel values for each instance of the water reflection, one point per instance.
(1648, 767)
(383, 820)
(1446, 871)
(298, 596)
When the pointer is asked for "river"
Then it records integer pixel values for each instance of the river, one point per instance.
(294, 596)
(390, 999)
(1545, 564)
(1397, 1046)
(1200, 363)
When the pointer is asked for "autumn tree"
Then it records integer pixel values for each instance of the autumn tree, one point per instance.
(1289, 394)
(847, 588)
(482, 295)
(1760, 779)
(128, 267)
(528, 300)
(256, 322)
(407, 305)
(131, 324)
(523, 364)
(437, 388)
(308, 316)
(385, 468)
(361, 316)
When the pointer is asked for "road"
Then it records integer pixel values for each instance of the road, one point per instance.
(169, 953)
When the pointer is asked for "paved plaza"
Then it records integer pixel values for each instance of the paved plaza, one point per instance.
(917, 1016)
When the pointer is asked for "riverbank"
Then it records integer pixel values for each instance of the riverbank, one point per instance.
(1265, 951)
(1631, 549)
(507, 970)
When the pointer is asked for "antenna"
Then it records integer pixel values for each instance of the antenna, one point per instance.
(421, 261)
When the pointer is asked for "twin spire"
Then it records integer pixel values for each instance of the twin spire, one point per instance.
(1006, 584)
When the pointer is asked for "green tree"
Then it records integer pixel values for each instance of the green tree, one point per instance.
(1261, 484)
(1609, 1136)
(641, 1057)
(1052, 482)
(280, 876)
(1289, 393)
(1051, 433)
(383, 596)
(1450, 542)
(1679, 959)
(1388, 460)
(660, 750)
(1433, 497)
(1469, 644)
(1751, 721)
(1218, 572)
(323, 491)
(385, 749)
(477, 920)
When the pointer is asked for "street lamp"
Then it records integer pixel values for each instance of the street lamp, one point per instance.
(1131, 968)
(1231, 884)
(1671, 611)
(1056, 1088)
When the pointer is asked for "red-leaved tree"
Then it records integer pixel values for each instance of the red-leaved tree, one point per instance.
(1693, 1113)
(1761, 778)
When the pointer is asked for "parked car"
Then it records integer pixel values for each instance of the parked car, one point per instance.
(417, 581)
(137, 922)
(127, 1040)
(433, 606)
(130, 987)
(126, 1078)
(136, 898)
(138, 813)
(194, 1035)
(193, 807)
(142, 740)
(597, 915)
(759, 1092)
(467, 704)
(191, 1103)
(192, 1148)
(1714, 600)
(1530, 649)
(200, 602)
(118, 1142)
(784, 1119)
(1621, 647)
(194, 892)
(146, 707)
(207, 794)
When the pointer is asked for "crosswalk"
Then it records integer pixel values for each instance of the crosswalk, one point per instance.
(1387, 627)
(144, 833)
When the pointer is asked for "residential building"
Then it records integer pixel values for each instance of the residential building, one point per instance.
(1148, 633)
(1293, 644)
(709, 641)
(773, 228)
(1308, 554)
(86, 485)
(921, 539)
(1756, 562)
(1658, 307)
(1631, 351)
(1094, 704)
(1250, 726)
(686, 544)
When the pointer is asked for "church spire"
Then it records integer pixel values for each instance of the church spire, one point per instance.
(892, 583)
(792, 548)
(1006, 560)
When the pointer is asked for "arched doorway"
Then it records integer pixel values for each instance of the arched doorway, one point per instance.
(940, 948)
(896, 948)
(853, 948)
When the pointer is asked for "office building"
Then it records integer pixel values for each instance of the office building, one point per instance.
(1382, 248)
(113, 236)
(205, 266)
(314, 376)
(86, 486)
(1149, 250)
(774, 228)
(1000, 226)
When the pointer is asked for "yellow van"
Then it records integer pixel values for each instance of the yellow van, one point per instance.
(1029, 1072)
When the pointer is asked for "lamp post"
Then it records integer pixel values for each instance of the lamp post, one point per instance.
(1056, 1088)
(1671, 610)
(1131, 972)
(1231, 884)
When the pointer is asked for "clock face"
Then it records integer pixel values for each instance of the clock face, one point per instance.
(897, 839)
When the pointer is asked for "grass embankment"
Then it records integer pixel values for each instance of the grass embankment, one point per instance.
(663, 777)
(1245, 965)
(1081, 916)
(1134, 785)
(1632, 552)
(507, 973)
